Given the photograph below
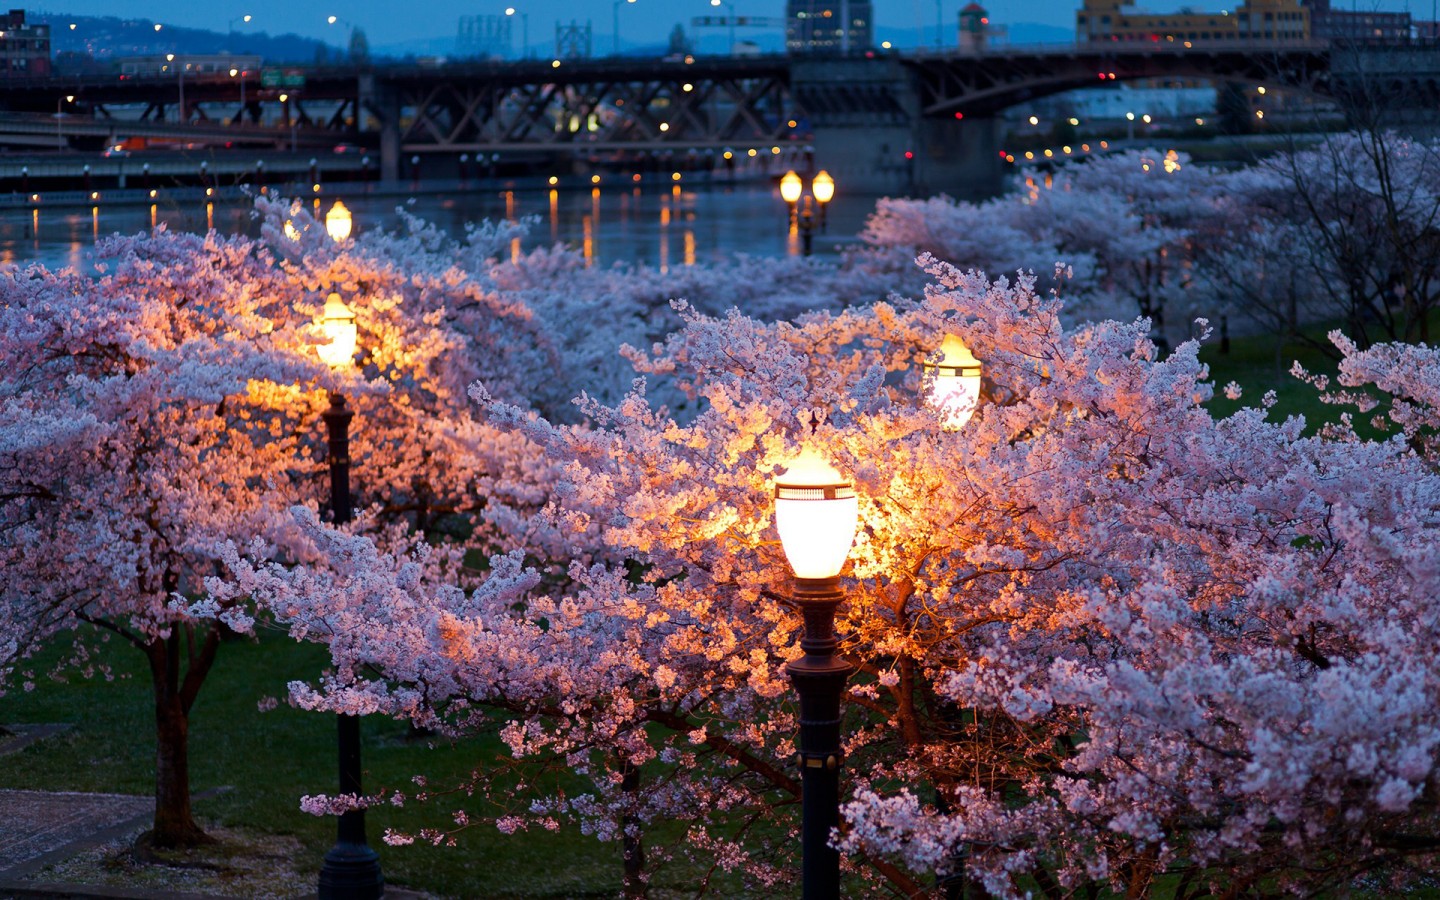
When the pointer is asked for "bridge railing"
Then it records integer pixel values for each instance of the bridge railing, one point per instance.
(1094, 48)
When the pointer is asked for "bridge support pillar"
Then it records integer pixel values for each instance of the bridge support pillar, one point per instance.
(871, 134)
(959, 157)
(383, 103)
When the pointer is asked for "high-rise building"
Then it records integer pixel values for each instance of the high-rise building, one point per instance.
(829, 27)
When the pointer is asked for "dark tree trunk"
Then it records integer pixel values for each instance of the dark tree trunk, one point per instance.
(174, 822)
(633, 843)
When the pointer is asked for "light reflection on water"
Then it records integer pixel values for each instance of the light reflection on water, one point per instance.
(657, 226)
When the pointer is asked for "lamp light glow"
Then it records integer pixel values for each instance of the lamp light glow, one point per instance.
(956, 388)
(823, 187)
(815, 513)
(791, 187)
(338, 222)
(337, 321)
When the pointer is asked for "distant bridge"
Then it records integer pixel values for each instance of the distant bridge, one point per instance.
(861, 114)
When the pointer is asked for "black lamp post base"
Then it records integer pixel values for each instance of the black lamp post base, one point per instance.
(351, 872)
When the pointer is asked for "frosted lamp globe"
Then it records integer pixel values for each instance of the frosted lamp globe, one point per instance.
(815, 513)
(823, 187)
(337, 322)
(791, 187)
(955, 391)
(338, 222)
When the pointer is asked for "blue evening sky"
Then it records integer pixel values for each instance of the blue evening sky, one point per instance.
(390, 22)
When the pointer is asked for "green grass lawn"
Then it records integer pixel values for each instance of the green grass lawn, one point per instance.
(272, 759)
(1251, 363)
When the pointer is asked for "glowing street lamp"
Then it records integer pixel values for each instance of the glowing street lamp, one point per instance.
(816, 513)
(351, 870)
(790, 190)
(955, 383)
(337, 322)
(823, 187)
(338, 222)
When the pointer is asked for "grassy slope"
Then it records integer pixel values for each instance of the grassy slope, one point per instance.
(272, 759)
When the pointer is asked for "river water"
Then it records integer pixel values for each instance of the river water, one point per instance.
(654, 225)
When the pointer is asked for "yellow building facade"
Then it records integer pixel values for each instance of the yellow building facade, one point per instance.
(1254, 20)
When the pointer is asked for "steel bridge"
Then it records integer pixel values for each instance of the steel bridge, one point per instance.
(860, 112)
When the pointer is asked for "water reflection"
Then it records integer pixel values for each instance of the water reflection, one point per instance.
(633, 223)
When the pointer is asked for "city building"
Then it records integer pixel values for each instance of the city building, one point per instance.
(829, 27)
(1356, 25)
(1119, 20)
(1272, 20)
(24, 48)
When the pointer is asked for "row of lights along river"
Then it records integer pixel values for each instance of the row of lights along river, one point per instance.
(662, 220)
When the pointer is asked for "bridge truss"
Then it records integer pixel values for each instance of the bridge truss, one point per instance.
(985, 84)
(602, 107)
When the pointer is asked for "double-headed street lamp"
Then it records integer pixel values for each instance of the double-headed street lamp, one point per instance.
(351, 870)
(816, 512)
(822, 189)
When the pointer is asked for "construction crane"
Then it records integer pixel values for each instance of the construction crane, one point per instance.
(733, 21)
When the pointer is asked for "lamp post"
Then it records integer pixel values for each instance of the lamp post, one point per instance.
(60, 120)
(823, 187)
(245, 19)
(351, 870)
(234, 72)
(955, 385)
(339, 222)
(807, 229)
(791, 187)
(615, 10)
(815, 513)
(524, 31)
(180, 83)
(730, 19)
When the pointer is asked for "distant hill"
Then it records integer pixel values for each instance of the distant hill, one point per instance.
(102, 39)
(97, 40)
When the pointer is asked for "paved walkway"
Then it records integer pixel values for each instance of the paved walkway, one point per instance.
(35, 825)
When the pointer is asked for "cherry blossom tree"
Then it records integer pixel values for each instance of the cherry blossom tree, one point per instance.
(1351, 222)
(142, 424)
(1103, 639)
(1116, 230)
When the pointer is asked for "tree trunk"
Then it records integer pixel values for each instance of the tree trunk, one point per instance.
(632, 841)
(174, 822)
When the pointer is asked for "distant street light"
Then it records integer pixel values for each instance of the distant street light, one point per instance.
(731, 20)
(615, 10)
(524, 31)
(60, 121)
